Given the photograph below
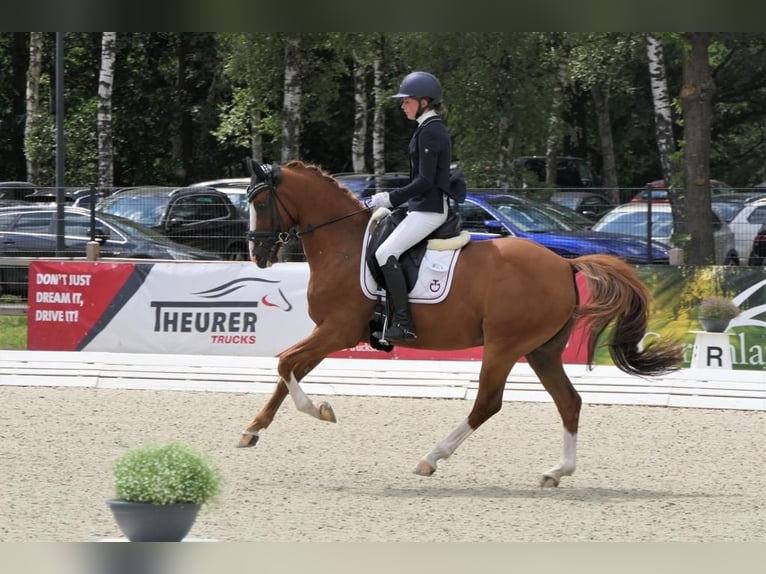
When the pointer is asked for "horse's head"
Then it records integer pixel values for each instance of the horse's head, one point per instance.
(268, 228)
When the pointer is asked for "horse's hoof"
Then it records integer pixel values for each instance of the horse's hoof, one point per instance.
(548, 482)
(326, 413)
(247, 438)
(424, 468)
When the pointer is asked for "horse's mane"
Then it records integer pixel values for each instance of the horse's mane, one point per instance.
(319, 171)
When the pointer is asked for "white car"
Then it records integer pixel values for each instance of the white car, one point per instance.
(745, 218)
(631, 219)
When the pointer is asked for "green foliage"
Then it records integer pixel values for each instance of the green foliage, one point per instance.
(183, 103)
(13, 332)
(166, 474)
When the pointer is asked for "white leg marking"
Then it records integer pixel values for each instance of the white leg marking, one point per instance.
(446, 447)
(302, 402)
(566, 465)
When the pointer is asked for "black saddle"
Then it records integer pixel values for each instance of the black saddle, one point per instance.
(412, 258)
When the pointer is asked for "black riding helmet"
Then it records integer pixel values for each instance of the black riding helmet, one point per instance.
(420, 85)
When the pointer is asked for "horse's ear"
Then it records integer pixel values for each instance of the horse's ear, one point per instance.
(255, 169)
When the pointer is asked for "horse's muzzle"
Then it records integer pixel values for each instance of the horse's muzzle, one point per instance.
(263, 248)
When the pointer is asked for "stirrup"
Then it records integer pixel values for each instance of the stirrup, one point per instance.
(399, 333)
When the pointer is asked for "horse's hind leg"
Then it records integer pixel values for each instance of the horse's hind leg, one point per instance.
(489, 400)
(547, 364)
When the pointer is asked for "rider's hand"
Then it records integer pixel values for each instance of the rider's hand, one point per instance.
(378, 200)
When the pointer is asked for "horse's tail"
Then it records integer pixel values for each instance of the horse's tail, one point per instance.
(616, 293)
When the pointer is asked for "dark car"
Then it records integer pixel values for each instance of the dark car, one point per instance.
(489, 215)
(31, 231)
(200, 217)
(234, 187)
(758, 252)
(16, 190)
(587, 203)
(571, 172)
(365, 184)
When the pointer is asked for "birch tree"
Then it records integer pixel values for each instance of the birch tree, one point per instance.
(359, 137)
(33, 104)
(379, 116)
(104, 120)
(663, 111)
(663, 129)
(291, 104)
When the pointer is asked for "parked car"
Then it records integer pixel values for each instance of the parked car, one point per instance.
(16, 190)
(659, 190)
(200, 217)
(571, 172)
(364, 184)
(75, 196)
(234, 187)
(590, 204)
(744, 218)
(758, 250)
(632, 219)
(489, 215)
(31, 231)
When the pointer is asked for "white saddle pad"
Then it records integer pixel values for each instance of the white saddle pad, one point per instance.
(435, 273)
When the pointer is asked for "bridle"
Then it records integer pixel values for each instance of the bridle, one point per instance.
(266, 244)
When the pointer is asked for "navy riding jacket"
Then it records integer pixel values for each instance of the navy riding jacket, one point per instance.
(430, 152)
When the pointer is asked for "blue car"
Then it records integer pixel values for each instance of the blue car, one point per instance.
(490, 215)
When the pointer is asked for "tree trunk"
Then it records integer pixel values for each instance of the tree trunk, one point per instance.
(554, 120)
(663, 129)
(507, 139)
(359, 136)
(256, 135)
(104, 120)
(184, 136)
(697, 105)
(291, 104)
(608, 167)
(379, 117)
(33, 103)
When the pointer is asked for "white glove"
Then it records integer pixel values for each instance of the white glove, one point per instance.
(378, 200)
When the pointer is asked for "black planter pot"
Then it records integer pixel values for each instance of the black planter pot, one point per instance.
(142, 522)
(714, 325)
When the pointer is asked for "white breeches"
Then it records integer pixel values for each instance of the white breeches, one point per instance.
(415, 226)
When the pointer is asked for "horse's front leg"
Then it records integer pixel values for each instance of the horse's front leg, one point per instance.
(294, 364)
(249, 436)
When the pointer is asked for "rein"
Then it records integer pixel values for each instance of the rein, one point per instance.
(313, 228)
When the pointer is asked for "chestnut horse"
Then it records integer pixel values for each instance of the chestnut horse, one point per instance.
(512, 296)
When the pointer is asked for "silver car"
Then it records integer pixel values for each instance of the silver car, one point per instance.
(631, 218)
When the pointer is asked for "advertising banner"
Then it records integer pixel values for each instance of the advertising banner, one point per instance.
(211, 308)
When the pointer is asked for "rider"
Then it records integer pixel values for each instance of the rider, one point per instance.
(430, 153)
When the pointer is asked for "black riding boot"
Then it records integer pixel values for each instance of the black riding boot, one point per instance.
(396, 290)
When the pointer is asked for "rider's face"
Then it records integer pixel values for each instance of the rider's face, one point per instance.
(410, 107)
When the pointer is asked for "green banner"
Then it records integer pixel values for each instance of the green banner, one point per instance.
(677, 292)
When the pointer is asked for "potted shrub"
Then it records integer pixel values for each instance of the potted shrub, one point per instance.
(715, 312)
(159, 490)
